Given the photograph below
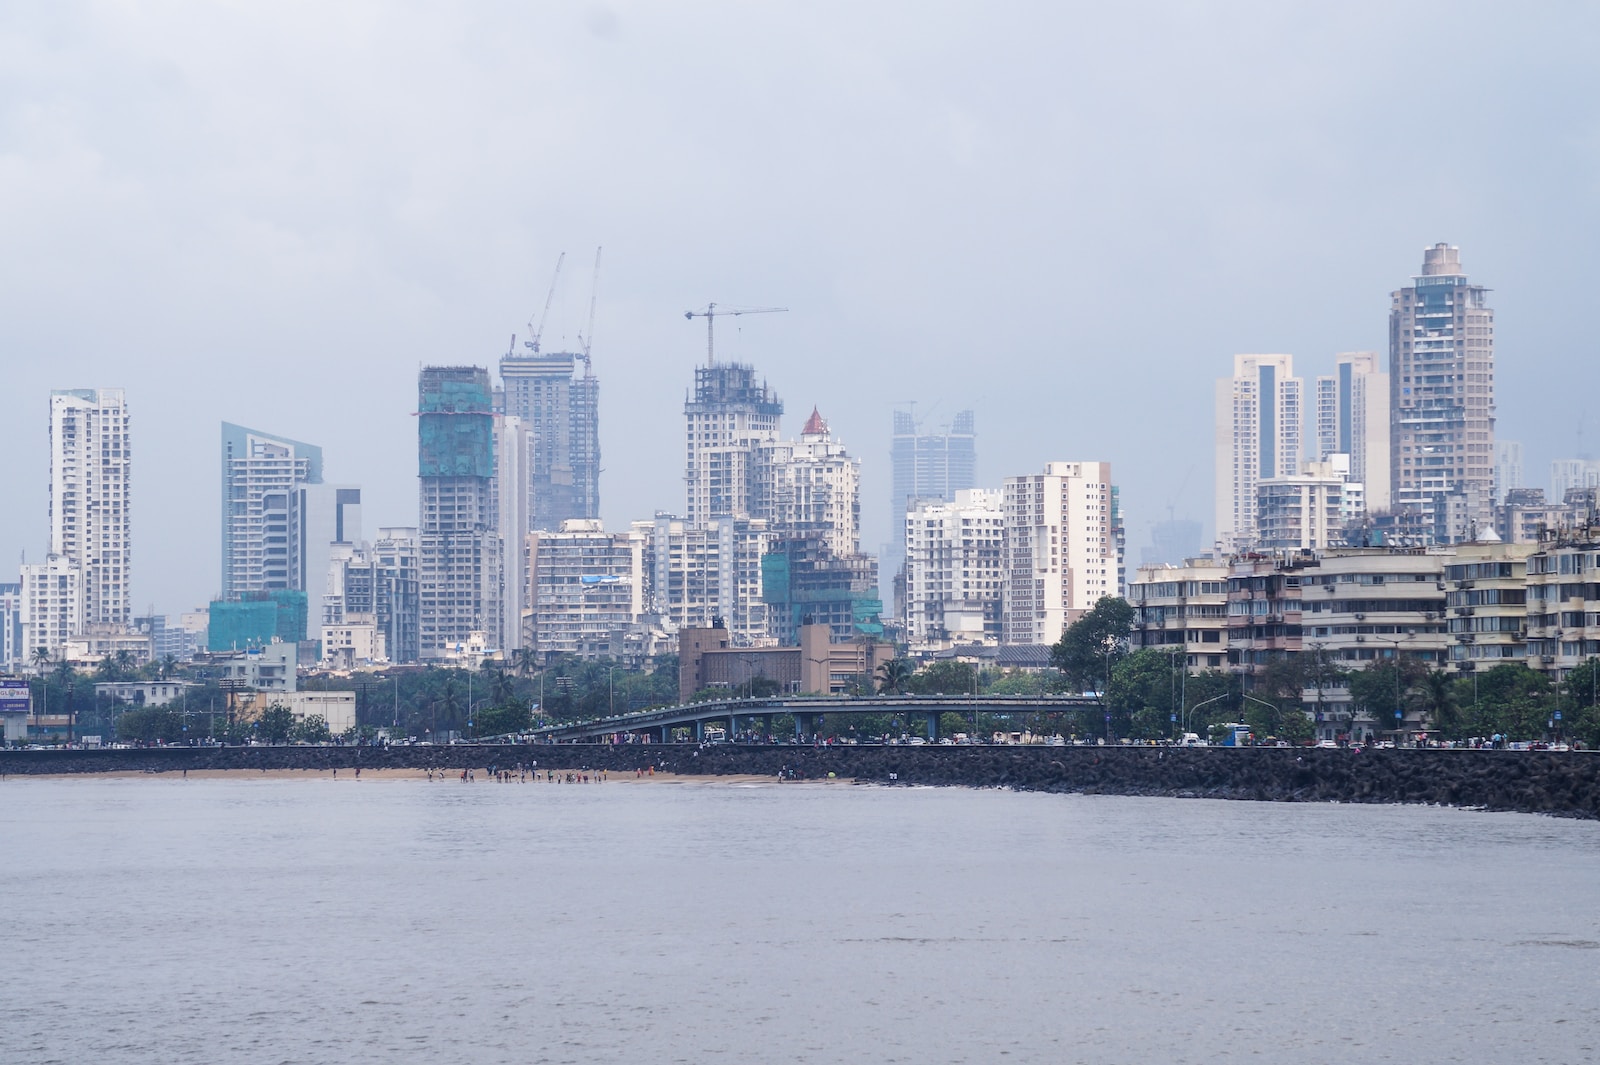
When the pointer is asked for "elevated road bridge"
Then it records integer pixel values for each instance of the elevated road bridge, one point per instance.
(662, 724)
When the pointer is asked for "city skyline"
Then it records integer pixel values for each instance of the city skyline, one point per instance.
(417, 237)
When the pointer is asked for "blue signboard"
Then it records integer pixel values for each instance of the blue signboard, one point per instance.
(14, 696)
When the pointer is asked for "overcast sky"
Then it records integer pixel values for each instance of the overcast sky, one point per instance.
(1068, 217)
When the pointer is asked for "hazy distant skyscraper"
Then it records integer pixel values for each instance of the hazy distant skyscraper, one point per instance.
(1258, 425)
(460, 549)
(562, 413)
(1441, 387)
(1508, 469)
(928, 467)
(1353, 419)
(729, 417)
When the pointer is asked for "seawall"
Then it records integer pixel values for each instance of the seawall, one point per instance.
(1562, 783)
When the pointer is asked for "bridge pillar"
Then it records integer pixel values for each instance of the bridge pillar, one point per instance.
(699, 731)
(933, 727)
(766, 727)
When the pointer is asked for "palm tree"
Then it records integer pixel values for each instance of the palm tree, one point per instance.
(169, 666)
(41, 658)
(893, 675)
(522, 661)
(125, 661)
(1437, 697)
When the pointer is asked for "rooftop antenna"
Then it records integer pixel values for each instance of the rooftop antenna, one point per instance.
(713, 312)
(535, 332)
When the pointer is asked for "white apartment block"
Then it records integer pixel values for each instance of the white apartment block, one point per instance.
(52, 605)
(1508, 468)
(811, 486)
(1183, 609)
(1353, 420)
(1060, 551)
(955, 570)
(587, 588)
(89, 464)
(1564, 603)
(701, 572)
(1304, 511)
(1486, 593)
(513, 476)
(1366, 605)
(1259, 411)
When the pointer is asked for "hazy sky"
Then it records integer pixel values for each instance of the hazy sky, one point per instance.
(1068, 217)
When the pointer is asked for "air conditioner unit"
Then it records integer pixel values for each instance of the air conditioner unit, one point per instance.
(1361, 617)
(1547, 659)
(1361, 639)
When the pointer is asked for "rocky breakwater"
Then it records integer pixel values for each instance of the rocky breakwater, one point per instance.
(1561, 783)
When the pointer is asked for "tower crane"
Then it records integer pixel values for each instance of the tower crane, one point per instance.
(587, 338)
(535, 332)
(713, 312)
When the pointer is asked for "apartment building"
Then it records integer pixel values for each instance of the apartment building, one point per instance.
(1060, 549)
(1182, 608)
(955, 570)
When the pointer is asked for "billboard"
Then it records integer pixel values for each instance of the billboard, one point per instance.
(15, 696)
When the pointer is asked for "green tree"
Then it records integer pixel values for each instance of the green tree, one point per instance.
(502, 720)
(1144, 694)
(313, 728)
(1581, 705)
(1092, 645)
(942, 678)
(276, 723)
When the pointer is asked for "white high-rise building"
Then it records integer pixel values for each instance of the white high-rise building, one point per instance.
(514, 506)
(1060, 549)
(1258, 435)
(1306, 510)
(89, 498)
(729, 418)
(1353, 419)
(52, 605)
(587, 588)
(811, 486)
(955, 570)
(1441, 388)
(699, 573)
(1567, 474)
(11, 656)
(261, 476)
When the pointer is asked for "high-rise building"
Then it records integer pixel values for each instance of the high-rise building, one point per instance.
(811, 486)
(11, 654)
(1508, 469)
(1306, 510)
(588, 588)
(1258, 426)
(327, 517)
(89, 498)
(1567, 474)
(262, 475)
(513, 502)
(955, 570)
(561, 410)
(52, 605)
(730, 417)
(1353, 419)
(1441, 389)
(701, 573)
(1060, 551)
(398, 592)
(804, 583)
(460, 552)
(931, 467)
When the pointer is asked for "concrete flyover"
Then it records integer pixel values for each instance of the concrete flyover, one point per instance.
(658, 726)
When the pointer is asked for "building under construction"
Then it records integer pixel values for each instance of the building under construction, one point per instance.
(561, 409)
(460, 556)
(804, 583)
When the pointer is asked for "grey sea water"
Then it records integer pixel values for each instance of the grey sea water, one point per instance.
(155, 920)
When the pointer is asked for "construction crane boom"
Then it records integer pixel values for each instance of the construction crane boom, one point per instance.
(587, 338)
(713, 312)
(535, 332)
